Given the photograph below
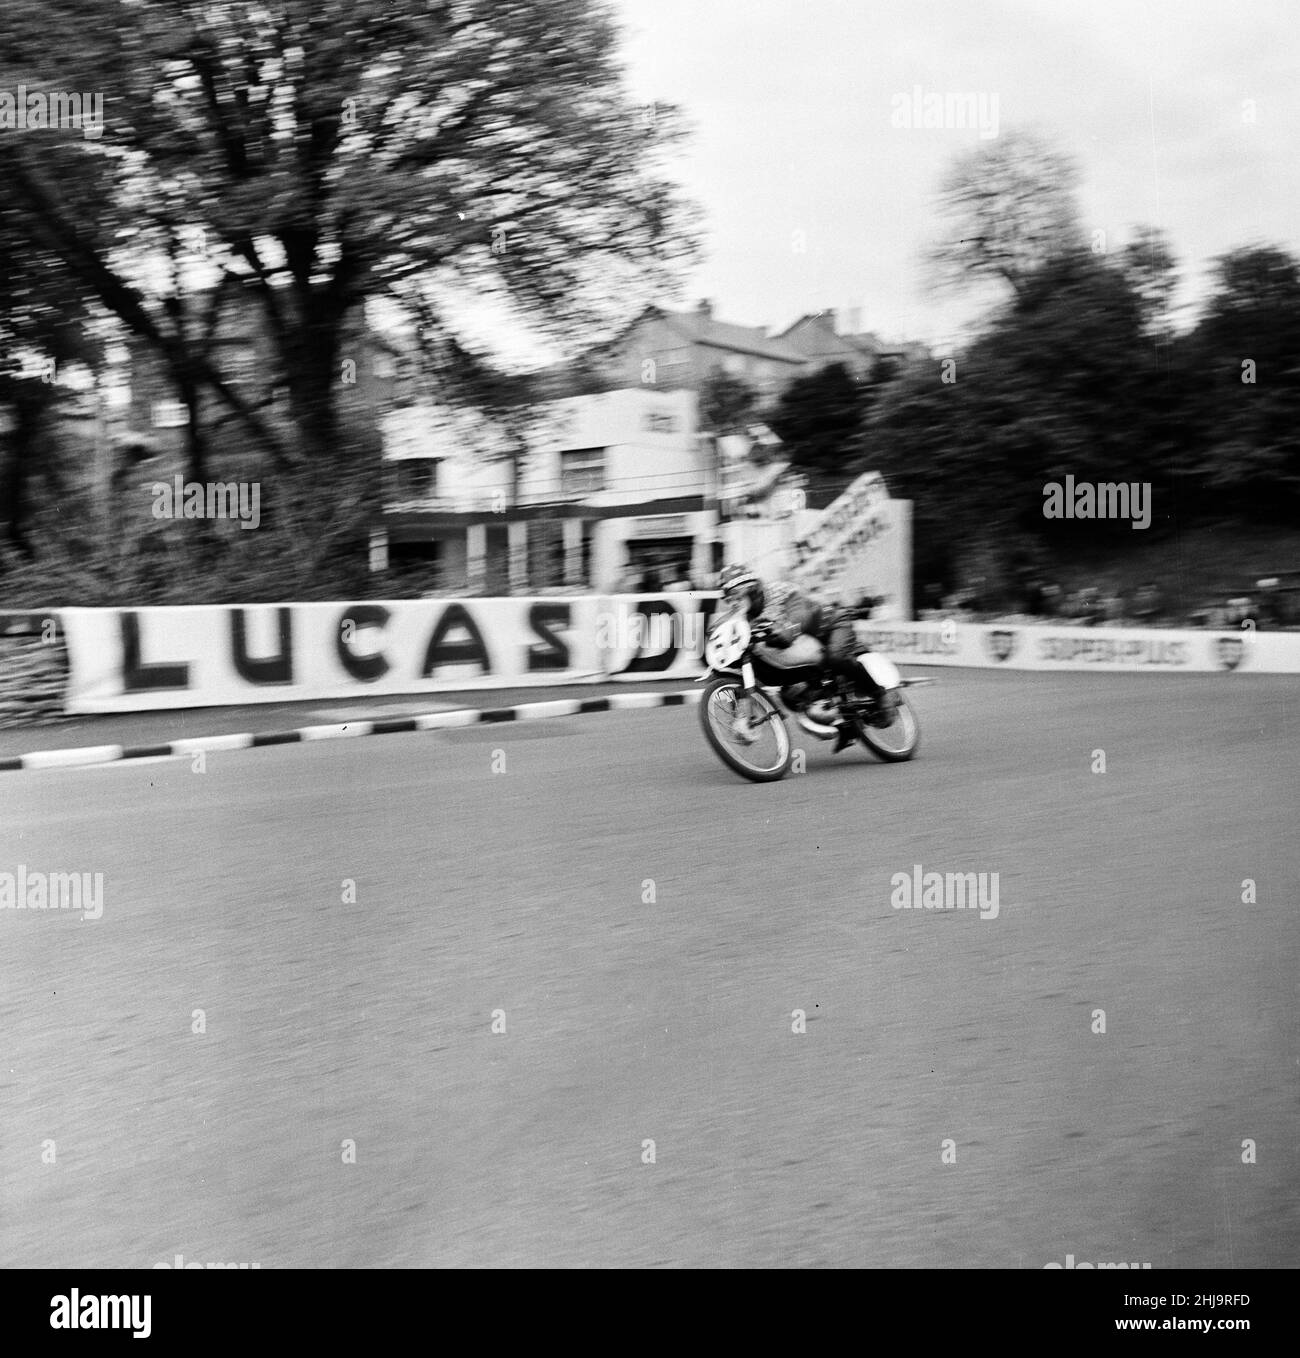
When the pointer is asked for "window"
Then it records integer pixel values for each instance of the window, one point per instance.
(674, 358)
(170, 414)
(582, 471)
(415, 479)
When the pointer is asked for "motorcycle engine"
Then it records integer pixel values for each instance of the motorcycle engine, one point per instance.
(795, 695)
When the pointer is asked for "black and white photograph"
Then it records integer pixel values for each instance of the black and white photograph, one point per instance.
(649, 634)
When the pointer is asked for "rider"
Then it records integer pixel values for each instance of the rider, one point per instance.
(788, 614)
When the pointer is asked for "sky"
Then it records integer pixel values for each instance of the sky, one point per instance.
(1181, 114)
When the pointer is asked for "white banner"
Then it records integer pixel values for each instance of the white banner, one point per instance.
(1041, 646)
(128, 660)
(861, 544)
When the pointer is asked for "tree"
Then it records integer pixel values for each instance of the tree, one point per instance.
(44, 328)
(323, 154)
(819, 419)
(1061, 381)
(727, 404)
(1245, 352)
(1008, 207)
(1150, 266)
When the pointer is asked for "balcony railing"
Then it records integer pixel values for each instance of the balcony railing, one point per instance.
(665, 486)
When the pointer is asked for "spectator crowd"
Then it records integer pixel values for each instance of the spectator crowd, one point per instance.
(1269, 607)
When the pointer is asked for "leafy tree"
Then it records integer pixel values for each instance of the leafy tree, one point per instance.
(727, 404)
(328, 153)
(1080, 371)
(1150, 266)
(1246, 355)
(1008, 207)
(1061, 382)
(44, 327)
(819, 419)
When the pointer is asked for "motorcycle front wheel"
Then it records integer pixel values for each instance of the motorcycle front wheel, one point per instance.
(746, 731)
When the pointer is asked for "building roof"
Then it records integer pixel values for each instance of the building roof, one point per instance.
(865, 344)
(700, 328)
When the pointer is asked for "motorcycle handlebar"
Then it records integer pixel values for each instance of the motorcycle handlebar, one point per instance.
(867, 605)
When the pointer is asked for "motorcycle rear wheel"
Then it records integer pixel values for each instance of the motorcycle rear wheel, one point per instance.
(900, 739)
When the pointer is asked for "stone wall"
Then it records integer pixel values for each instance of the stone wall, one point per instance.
(33, 676)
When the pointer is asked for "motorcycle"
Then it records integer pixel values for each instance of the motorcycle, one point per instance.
(747, 687)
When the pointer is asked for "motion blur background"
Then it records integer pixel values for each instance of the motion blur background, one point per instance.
(511, 297)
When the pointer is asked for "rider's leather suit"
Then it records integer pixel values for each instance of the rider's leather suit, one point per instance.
(789, 613)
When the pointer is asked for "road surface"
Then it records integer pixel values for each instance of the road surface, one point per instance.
(644, 925)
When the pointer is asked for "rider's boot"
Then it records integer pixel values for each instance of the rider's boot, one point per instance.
(866, 697)
(847, 736)
(847, 732)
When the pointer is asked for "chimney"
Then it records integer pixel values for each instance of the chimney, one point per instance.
(855, 320)
(705, 308)
(832, 317)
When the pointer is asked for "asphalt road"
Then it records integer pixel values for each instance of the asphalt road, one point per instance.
(144, 728)
(648, 923)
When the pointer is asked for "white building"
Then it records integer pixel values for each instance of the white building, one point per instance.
(613, 484)
(617, 492)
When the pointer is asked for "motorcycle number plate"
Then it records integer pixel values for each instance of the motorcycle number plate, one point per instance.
(727, 642)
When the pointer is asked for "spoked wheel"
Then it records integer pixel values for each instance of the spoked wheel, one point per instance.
(896, 741)
(746, 731)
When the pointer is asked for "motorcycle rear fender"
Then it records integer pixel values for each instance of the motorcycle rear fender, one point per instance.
(882, 670)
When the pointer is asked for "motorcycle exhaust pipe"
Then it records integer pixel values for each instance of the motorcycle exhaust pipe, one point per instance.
(815, 728)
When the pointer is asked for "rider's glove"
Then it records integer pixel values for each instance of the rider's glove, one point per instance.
(776, 634)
